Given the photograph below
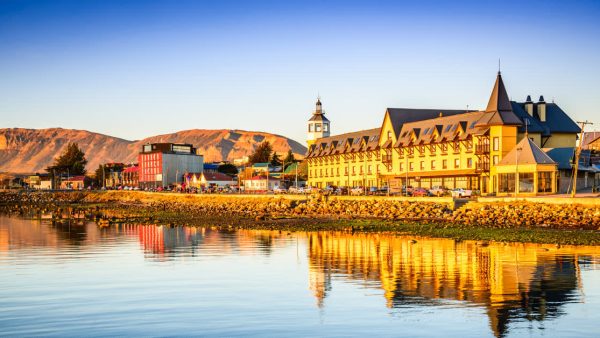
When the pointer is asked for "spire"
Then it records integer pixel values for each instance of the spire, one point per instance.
(319, 106)
(499, 101)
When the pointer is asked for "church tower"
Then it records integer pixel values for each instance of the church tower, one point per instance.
(318, 125)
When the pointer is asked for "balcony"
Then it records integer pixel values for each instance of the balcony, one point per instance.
(482, 166)
(481, 149)
(386, 159)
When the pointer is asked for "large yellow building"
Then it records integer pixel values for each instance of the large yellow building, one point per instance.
(481, 150)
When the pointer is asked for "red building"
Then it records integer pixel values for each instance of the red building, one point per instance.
(131, 176)
(163, 164)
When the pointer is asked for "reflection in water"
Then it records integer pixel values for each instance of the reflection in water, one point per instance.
(511, 282)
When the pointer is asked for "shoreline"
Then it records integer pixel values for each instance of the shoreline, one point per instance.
(316, 213)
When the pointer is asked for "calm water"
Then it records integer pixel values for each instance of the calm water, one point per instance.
(57, 280)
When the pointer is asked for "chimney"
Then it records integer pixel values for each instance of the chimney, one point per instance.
(541, 109)
(529, 105)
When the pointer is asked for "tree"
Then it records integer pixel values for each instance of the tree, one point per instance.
(275, 161)
(72, 161)
(261, 154)
(99, 175)
(228, 169)
(289, 158)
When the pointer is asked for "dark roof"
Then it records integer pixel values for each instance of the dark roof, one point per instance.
(499, 101)
(564, 157)
(345, 143)
(400, 116)
(557, 121)
(318, 117)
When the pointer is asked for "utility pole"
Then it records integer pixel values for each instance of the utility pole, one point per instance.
(577, 153)
(517, 171)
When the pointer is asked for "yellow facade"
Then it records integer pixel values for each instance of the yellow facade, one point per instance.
(451, 149)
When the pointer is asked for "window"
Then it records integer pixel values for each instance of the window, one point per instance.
(422, 150)
(444, 147)
(353, 170)
(369, 169)
(401, 166)
(317, 127)
(432, 149)
(456, 146)
(506, 183)
(525, 182)
(544, 182)
(496, 144)
(456, 163)
(310, 127)
(422, 165)
(325, 127)
(444, 164)
(432, 164)
(495, 159)
(469, 162)
(389, 135)
(411, 166)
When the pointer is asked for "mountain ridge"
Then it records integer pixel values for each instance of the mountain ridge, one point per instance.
(29, 150)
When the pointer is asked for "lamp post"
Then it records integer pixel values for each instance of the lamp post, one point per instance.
(517, 171)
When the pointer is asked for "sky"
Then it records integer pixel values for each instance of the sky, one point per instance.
(134, 69)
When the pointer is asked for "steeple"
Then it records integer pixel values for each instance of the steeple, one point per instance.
(318, 124)
(499, 101)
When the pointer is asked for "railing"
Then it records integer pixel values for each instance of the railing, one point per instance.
(386, 159)
(482, 166)
(482, 149)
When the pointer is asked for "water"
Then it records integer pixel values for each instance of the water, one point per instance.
(79, 280)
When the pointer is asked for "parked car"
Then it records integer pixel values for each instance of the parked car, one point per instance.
(420, 192)
(438, 191)
(460, 193)
(279, 190)
(407, 191)
(357, 191)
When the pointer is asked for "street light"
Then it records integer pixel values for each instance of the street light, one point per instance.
(517, 171)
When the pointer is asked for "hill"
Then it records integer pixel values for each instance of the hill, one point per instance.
(32, 150)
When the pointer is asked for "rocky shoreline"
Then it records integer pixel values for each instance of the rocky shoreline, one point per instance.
(317, 207)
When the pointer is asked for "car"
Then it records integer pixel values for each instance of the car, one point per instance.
(460, 193)
(279, 190)
(357, 191)
(420, 192)
(438, 191)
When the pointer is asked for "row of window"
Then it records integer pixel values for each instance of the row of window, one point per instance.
(330, 172)
(506, 182)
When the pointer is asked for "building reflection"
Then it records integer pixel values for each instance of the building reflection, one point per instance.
(510, 280)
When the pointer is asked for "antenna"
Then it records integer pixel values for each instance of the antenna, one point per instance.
(526, 125)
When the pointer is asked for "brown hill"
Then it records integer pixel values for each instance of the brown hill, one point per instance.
(32, 150)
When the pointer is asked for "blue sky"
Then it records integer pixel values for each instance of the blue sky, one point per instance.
(139, 68)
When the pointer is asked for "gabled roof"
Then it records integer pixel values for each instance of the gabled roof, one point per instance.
(528, 153)
(446, 128)
(557, 121)
(345, 143)
(590, 137)
(399, 116)
(216, 176)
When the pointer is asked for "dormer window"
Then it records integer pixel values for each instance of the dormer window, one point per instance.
(389, 134)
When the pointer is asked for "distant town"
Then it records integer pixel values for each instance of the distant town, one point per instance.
(507, 149)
